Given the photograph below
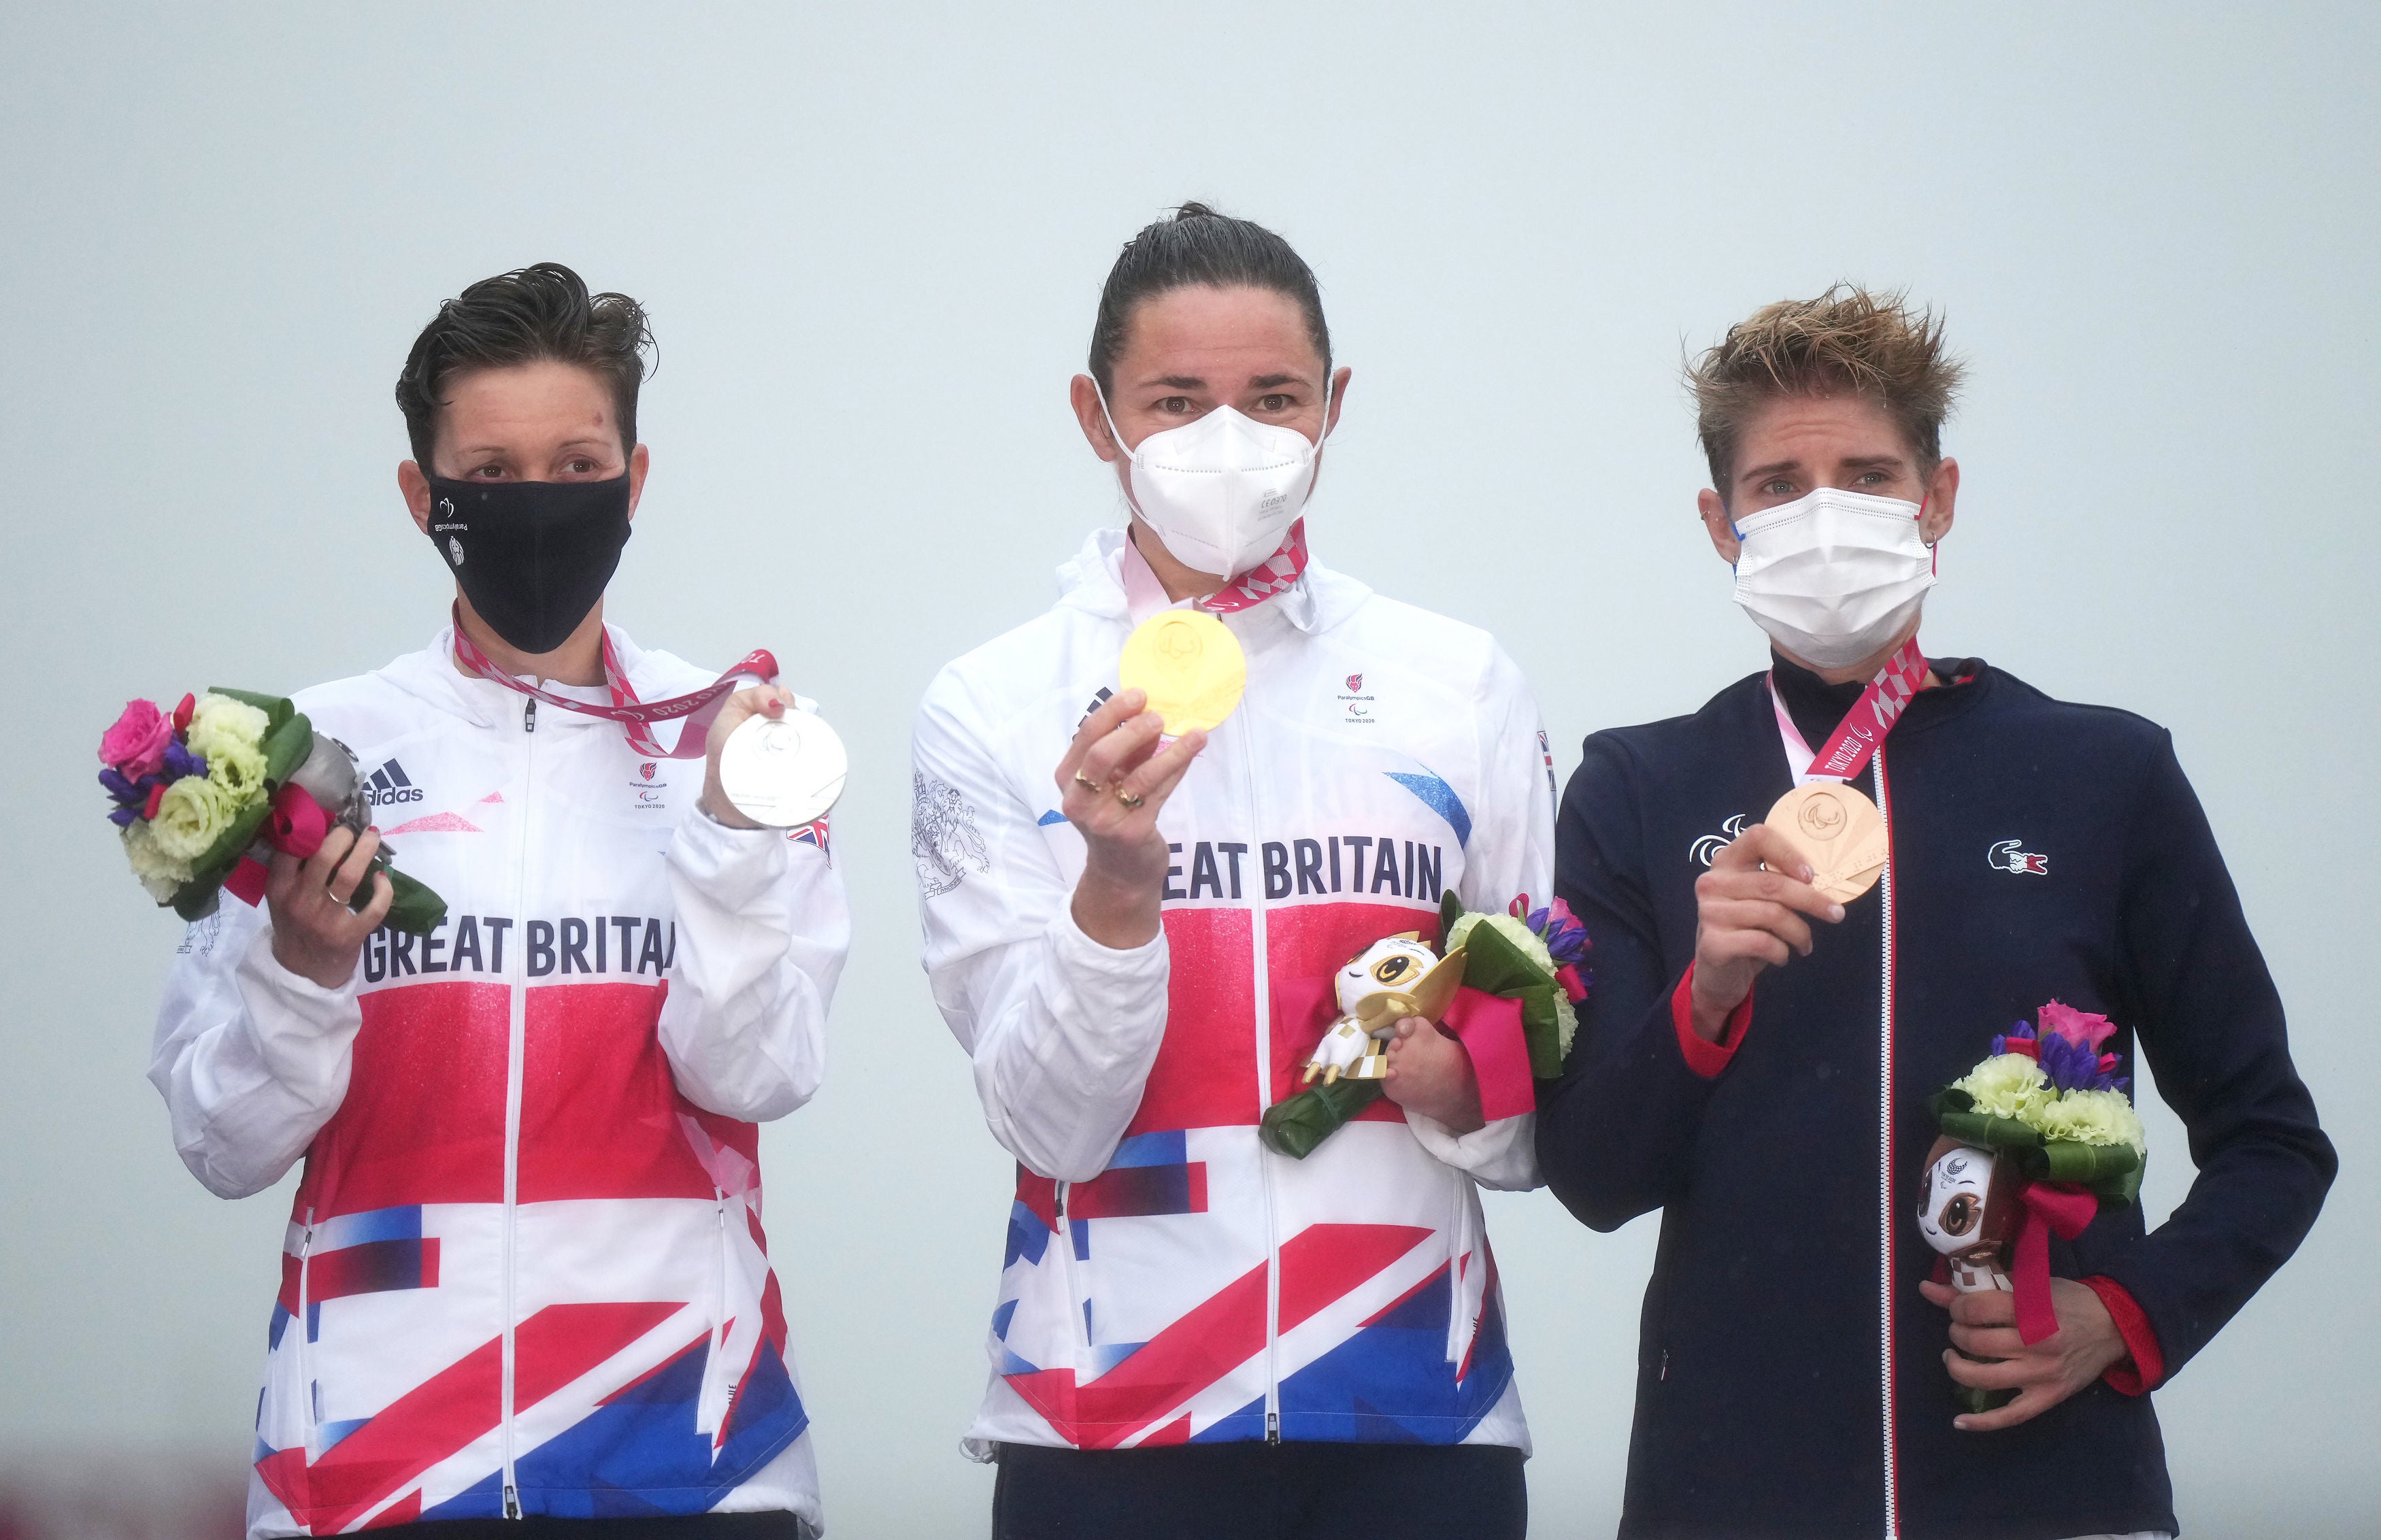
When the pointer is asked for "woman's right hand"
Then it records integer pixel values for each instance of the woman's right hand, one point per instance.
(315, 935)
(1111, 785)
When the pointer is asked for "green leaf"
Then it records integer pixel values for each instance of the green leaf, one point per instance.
(1989, 1132)
(198, 897)
(1295, 1126)
(230, 845)
(286, 748)
(412, 908)
(2085, 1165)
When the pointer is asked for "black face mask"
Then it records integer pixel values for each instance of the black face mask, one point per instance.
(532, 556)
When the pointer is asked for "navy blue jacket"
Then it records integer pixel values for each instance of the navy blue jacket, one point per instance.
(1789, 1375)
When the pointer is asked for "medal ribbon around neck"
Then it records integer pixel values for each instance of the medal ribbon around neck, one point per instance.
(636, 717)
(1864, 729)
(1278, 573)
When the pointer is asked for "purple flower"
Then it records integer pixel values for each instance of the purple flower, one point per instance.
(120, 787)
(180, 761)
(1566, 938)
(122, 817)
(2072, 1066)
(2020, 1032)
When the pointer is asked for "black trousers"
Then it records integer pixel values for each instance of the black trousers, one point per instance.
(685, 1526)
(1253, 1491)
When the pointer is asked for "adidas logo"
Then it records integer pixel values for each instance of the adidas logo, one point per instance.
(387, 786)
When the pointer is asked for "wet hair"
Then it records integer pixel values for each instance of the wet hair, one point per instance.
(1196, 245)
(530, 315)
(1846, 341)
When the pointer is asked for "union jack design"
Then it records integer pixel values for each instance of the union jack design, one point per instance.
(623, 1403)
(1387, 1323)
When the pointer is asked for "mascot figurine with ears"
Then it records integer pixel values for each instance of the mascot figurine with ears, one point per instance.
(1396, 977)
(1505, 989)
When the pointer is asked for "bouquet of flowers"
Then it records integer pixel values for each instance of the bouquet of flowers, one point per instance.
(2050, 1096)
(1514, 1012)
(207, 793)
(2035, 1139)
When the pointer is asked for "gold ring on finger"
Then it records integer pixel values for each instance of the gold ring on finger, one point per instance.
(1129, 799)
(1081, 779)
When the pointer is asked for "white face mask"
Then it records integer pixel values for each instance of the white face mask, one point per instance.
(1834, 575)
(1223, 491)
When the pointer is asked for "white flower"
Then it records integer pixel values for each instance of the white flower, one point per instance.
(2007, 1085)
(159, 872)
(191, 815)
(1512, 930)
(219, 724)
(2091, 1117)
(240, 770)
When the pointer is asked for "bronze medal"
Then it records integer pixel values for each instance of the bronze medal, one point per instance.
(1189, 666)
(1836, 829)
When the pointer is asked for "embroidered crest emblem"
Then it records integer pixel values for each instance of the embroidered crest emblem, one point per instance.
(945, 844)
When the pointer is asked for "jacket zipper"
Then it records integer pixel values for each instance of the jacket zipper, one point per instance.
(1886, 1213)
(514, 1048)
(1260, 973)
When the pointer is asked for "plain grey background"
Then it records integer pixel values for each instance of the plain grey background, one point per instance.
(871, 237)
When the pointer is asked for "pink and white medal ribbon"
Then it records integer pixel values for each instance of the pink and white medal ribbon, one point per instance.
(1863, 728)
(1277, 574)
(637, 718)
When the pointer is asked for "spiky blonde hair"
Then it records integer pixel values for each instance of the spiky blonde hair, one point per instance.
(1847, 339)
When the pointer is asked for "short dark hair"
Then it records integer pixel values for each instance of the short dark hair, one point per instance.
(1848, 339)
(1196, 245)
(528, 315)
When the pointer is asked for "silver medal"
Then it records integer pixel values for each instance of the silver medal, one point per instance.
(784, 771)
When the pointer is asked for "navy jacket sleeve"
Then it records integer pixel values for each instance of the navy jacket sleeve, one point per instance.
(2206, 1017)
(1613, 1133)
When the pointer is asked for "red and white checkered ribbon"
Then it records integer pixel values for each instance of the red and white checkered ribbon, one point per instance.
(1279, 573)
(1276, 574)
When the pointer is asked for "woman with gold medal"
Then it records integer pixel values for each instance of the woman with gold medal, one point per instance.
(1151, 826)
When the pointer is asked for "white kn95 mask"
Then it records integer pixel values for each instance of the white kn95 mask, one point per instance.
(1833, 576)
(1221, 493)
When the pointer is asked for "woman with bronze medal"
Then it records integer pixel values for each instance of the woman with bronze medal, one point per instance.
(1152, 827)
(1802, 955)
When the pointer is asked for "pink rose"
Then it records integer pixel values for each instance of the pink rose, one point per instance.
(2083, 1028)
(135, 745)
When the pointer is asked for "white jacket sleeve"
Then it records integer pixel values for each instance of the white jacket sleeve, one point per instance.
(763, 931)
(251, 1059)
(1513, 853)
(1062, 1029)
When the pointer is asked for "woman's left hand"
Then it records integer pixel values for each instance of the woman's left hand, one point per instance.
(767, 700)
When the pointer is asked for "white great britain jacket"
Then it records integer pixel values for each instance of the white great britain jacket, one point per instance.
(525, 1271)
(1166, 1277)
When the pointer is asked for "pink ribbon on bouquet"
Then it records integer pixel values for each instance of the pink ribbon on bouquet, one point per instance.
(2049, 1207)
(637, 717)
(1489, 1027)
(297, 825)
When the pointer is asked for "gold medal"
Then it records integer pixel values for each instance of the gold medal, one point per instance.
(1836, 829)
(1189, 666)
